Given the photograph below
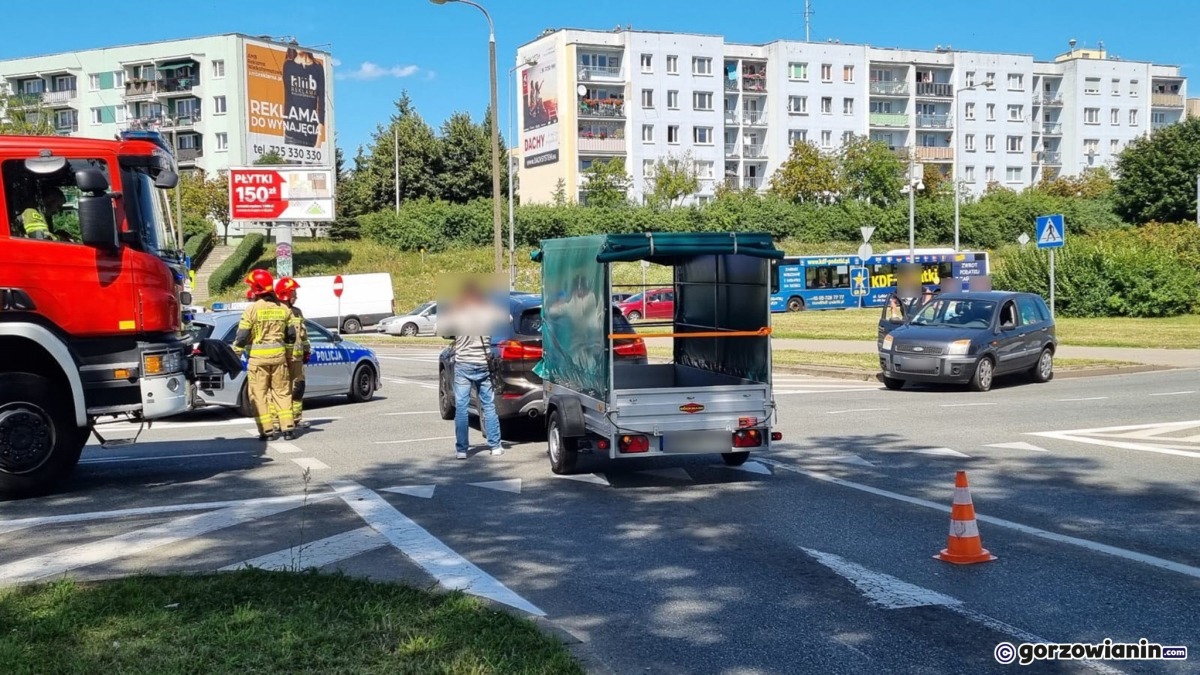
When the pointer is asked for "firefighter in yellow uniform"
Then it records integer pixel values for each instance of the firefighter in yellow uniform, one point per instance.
(266, 332)
(285, 290)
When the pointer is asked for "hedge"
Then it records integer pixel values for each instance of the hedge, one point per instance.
(238, 264)
(198, 246)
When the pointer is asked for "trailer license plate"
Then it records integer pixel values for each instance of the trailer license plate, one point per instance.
(698, 442)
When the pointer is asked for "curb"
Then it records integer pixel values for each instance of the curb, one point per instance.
(874, 376)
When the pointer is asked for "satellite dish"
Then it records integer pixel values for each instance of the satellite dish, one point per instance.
(581, 90)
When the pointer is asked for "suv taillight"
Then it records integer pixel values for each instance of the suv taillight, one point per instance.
(631, 348)
(514, 350)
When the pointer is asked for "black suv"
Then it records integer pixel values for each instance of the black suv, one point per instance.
(520, 389)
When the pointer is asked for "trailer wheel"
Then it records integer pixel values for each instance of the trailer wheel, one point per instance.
(735, 458)
(39, 442)
(563, 451)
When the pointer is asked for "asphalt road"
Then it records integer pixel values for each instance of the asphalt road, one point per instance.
(814, 559)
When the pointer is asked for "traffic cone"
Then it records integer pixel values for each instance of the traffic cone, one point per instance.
(963, 546)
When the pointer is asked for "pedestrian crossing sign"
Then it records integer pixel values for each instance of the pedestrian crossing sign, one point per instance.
(859, 285)
(1051, 231)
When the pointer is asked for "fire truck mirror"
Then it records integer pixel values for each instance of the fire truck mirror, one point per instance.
(166, 179)
(98, 221)
(91, 181)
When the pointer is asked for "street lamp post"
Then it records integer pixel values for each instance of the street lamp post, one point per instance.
(954, 167)
(496, 213)
(913, 184)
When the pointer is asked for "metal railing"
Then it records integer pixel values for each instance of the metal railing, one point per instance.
(603, 72)
(882, 88)
(934, 153)
(752, 182)
(604, 108)
(888, 120)
(936, 89)
(1166, 100)
(755, 119)
(189, 154)
(1160, 125)
(1049, 128)
(1048, 99)
(177, 84)
(59, 97)
(935, 121)
(733, 149)
(136, 88)
(594, 144)
(1047, 157)
(731, 117)
(756, 85)
(731, 85)
(753, 151)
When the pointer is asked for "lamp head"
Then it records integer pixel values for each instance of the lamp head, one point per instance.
(982, 84)
(440, 2)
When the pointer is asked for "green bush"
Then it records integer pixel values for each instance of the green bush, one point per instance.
(198, 246)
(195, 225)
(238, 264)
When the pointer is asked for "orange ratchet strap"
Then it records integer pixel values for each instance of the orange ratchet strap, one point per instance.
(761, 332)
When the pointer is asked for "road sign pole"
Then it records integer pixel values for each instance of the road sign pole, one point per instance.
(1051, 283)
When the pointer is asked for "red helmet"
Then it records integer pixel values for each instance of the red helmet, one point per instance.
(260, 282)
(285, 289)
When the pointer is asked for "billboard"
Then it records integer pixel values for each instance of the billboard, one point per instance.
(289, 106)
(281, 193)
(539, 117)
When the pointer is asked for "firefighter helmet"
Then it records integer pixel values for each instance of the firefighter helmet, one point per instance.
(285, 289)
(260, 282)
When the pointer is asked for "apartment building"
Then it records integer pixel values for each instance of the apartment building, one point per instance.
(996, 118)
(223, 100)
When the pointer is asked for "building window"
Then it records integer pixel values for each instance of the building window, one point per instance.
(1013, 174)
(798, 105)
(647, 63)
(647, 98)
(969, 173)
(847, 73)
(1091, 86)
(704, 170)
(1091, 147)
(1133, 118)
(797, 136)
(672, 100)
(827, 72)
(1016, 82)
(1114, 146)
(1015, 143)
(222, 141)
(969, 79)
(1091, 116)
(97, 116)
(970, 111)
(218, 68)
(1158, 118)
(219, 105)
(1016, 113)
(847, 137)
(702, 135)
(827, 105)
(648, 169)
(673, 134)
(798, 72)
(672, 65)
(188, 141)
(647, 133)
(826, 139)
(94, 82)
(991, 112)
(119, 79)
(702, 100)
(119, 114)
(1133, 88)
(847, 106)
(989, 143)
(989, 174)
(1114, 116)
(1116, 87)
(701, 66)
(969, 142)
(991, 81)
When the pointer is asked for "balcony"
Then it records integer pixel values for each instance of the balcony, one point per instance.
(188, 120)
(936, 121)
(934, 154)
(882, 88)
(591, 145)
(140, 89)
(1048, 128)
(177, 85)
(888, 120)
(66, 128)
(935, 89)
(752, 183)
(754, 151)
(732, 117)
(1166, 100)
(731, 85)
(1160, 125)
(608, 108)
(755, 119)
(58, 99)
(27, 99)
(754, 84)
(733, 149)
(1048, 100)
(186, 155)
(1048, 157)
(589, 73)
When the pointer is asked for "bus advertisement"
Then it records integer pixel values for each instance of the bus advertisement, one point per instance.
(824, 282)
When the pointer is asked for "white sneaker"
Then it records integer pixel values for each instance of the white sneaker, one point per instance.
(496, 452)
(460, 454)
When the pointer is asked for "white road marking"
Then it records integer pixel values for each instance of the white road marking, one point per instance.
(512, 485)
(966, 405)
(310, 464)
(1019, 445)
(415, 440)
(674, 473)
(138, 541)
(848, 459)
(416, 412)
(593, 478)
(283, 447)
(889, 592)
(1125, 554)
(855, 410)
(401, 380)
(153, 458)
(750, 467)
(316, 554)
(1172, 393)
(1109, 438)
(823, 391)
(422, 491)
(233, 422)
(449, 568)
(941, 452)
(1089, 398)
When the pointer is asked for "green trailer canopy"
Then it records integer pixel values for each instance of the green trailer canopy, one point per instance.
(668, 248)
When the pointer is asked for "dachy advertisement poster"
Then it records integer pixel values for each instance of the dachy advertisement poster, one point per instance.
(287, 90)
(539, 129)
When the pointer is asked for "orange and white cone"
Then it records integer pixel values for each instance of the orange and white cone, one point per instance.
(963, 546)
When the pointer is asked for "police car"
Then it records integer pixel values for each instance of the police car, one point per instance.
(338, 367)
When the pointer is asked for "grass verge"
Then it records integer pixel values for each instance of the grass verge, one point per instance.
(254, 621)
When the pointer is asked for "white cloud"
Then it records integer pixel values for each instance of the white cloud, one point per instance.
(373, 71)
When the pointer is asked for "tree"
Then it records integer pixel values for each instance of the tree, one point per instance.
(271, 158)
(870, 171)
(674, 179)
(420, 161)
(24, 115)
(345, 224)
(807, 175)
(1157, 175)
(465, 170)
(936, 184)
(559, 197)
(605, 183)
(1093, 183)
(218, 205)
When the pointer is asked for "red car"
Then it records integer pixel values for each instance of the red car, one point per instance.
(658, 303)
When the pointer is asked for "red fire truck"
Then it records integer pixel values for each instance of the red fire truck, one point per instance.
(90, 310)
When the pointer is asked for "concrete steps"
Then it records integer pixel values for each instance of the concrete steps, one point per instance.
(218, 255)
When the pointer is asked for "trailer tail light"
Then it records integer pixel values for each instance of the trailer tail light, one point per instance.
(515, 350)
(602, 444)
(635, 348)
(634, 444)
(776, 435)
(747, 438)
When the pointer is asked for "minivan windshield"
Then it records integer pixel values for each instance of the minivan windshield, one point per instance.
(956, 313)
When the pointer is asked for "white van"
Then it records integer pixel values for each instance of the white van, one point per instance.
(366, 299)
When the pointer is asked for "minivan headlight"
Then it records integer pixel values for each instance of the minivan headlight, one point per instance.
(959, 348)
(887, 342)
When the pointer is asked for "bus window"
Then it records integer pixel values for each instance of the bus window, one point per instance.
(774, 277)
(827, 276)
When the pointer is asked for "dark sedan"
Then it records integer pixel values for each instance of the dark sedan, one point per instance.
(969, 338)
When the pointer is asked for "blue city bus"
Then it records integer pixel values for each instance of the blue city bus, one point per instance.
(823, 282)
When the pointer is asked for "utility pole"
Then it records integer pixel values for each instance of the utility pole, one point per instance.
(808, 20)
(396, 163)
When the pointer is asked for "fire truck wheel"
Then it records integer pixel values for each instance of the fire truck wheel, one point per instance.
(39, 442)
(735, 458)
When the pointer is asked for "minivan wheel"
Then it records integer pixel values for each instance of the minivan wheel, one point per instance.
(893, 383)
(985, 370)
(1044, 370)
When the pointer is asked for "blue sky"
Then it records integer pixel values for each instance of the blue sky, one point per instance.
(439, 53)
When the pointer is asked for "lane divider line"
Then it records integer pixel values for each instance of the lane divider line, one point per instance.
(153, 458)
(415, 440)
(310, 463)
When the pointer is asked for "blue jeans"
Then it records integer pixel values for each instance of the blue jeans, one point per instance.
(466, 376)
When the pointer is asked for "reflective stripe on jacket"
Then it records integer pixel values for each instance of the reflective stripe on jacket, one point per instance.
(265, 329)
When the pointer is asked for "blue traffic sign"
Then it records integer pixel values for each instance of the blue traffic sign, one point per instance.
(1051, 231)
(860, 284)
